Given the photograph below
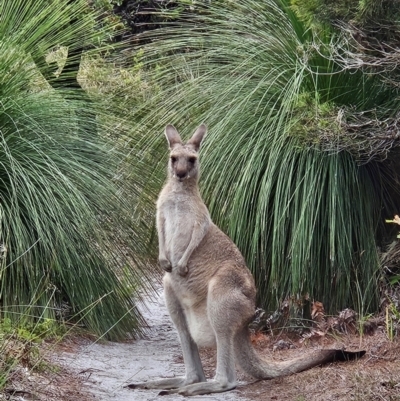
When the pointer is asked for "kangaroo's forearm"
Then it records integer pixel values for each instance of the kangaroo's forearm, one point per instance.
(162, 252)
(198, 233)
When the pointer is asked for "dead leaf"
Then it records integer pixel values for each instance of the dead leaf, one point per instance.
(317, 311)
(396, 220)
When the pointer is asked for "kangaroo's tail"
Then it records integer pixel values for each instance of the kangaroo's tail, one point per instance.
(259, 368)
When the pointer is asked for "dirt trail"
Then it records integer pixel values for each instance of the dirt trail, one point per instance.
(108, 367)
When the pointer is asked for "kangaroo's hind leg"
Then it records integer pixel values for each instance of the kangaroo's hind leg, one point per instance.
(193, 367)
(226, 319)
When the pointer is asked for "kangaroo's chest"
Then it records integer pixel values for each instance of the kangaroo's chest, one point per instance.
(178, 225)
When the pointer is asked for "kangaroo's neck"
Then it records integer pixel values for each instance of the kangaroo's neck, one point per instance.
(188, 186)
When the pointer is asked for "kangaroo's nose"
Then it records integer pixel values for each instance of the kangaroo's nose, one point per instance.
(181, 173)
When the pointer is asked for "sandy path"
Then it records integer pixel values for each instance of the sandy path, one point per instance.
(107, 367)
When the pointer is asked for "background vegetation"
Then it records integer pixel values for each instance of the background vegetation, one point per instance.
(300, 165)
(71, 232)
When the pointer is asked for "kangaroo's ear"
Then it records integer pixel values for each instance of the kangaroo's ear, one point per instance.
(197, 137)
(172, 135)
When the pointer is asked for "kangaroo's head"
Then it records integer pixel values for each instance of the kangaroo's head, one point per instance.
(183, 158)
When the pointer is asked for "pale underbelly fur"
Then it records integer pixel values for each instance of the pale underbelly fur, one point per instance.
(178, 231)
(200, 327)
(196, 317)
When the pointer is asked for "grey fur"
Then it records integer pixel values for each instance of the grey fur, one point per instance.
(209, 291)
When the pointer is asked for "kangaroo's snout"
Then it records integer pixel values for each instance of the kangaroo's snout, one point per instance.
(183, 164)
(181, 174)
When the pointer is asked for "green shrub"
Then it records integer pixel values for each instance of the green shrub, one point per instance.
(71, 231)
(286, 172)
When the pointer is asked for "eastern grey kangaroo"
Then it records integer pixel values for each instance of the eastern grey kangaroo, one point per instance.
(209, 291)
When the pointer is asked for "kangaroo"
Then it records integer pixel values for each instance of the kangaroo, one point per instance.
(209, 291)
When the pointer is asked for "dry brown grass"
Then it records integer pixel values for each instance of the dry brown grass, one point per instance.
(374, 377)
(40, 378)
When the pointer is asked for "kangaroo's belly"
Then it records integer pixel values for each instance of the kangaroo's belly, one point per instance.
(195, 308)
(192, 297)
(200, 327)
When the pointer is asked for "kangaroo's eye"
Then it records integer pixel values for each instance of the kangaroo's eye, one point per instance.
(192, 160)
(173, 159)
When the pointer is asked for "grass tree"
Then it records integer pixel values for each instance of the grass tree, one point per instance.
(295, 169)
(71, 234)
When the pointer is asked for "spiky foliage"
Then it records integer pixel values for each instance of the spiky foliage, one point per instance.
(281, 171)
(70, 230)
(371, 29)
(366, 13)
(143, 15)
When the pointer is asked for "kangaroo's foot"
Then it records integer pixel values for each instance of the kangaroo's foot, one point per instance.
(212, 386)
(165, 384)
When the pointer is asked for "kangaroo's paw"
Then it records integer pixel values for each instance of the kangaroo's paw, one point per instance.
(182, 269)
(165, 264)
